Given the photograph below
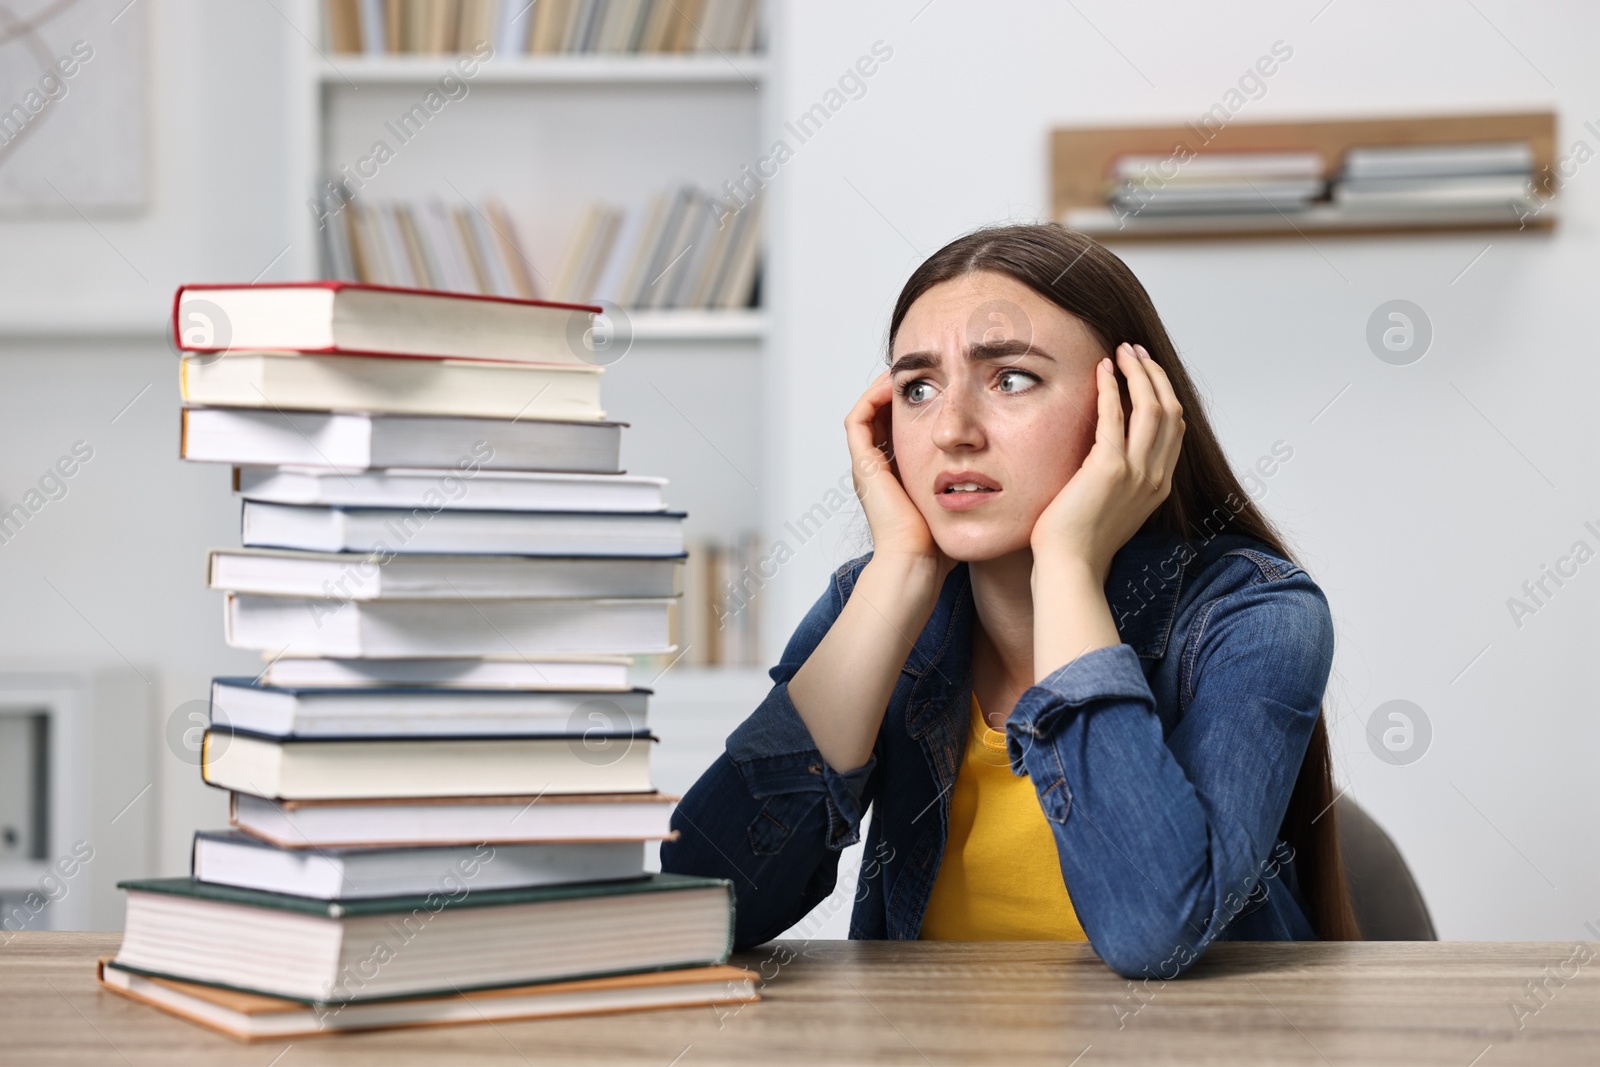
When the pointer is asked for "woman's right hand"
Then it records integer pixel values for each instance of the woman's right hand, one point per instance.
(898, 528)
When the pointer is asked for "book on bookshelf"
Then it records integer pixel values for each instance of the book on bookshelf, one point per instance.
(328, 768)
(254, 1017)
(716, 623)
(474, 388)
(379, 320)
(321, 528)
(440, 629)
(515, 27)
(348, 440)
(1366, 162)
(596, 672)
(228, 857)
(424, 821)
(1433, 177)
(1214, 182)
(322, 952)
(412, 576)
(399, 711)
(423, 245)
(681, 248)
(484, 490)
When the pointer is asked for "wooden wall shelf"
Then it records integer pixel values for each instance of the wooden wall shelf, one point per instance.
(1081, 157)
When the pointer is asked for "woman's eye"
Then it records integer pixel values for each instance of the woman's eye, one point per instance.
(917, 392)
(1015, 381)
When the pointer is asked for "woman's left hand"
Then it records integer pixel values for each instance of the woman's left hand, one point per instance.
(1127, 474)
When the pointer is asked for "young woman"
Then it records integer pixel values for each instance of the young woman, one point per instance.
(1078, 680)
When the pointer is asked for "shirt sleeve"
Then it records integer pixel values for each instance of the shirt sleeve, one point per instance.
(1162, 839)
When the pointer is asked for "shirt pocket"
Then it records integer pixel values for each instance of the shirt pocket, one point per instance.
(775, 822)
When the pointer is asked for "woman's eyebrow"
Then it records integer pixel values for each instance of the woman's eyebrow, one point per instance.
(983, 351)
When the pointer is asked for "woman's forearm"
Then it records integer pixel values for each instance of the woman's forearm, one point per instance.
(1070, 613)
(844, 686)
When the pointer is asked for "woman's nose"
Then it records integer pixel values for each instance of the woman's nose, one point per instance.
(957, 424)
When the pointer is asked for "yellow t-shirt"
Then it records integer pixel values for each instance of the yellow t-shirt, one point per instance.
(1000, 879)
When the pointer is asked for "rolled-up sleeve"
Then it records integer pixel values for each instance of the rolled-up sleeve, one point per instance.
(1163, 838)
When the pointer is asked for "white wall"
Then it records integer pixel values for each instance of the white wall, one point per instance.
(1418, 514)
(1412, 508)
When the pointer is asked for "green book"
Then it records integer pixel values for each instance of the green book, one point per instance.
(453, 939)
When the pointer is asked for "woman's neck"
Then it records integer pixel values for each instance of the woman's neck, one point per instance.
(1002, 639)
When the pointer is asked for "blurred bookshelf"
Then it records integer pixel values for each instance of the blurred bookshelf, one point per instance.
(556, 145)
(1092, 192)
(552, 69)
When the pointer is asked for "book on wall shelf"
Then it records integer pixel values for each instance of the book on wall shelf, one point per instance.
(549, 27)
(444, 746)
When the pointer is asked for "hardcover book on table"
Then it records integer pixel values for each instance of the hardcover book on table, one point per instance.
(358, 319)
(347, 440)
(254, 1017)
(453, 939)
(334, 768)
(245, 704)
(439, 628)
(229, 857)
(530, 533)
(470, 820)
(418, 576)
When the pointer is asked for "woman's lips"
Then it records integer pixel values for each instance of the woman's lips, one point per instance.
(964, 490)
(965, 501)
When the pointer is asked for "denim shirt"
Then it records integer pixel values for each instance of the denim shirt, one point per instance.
(1164, 764)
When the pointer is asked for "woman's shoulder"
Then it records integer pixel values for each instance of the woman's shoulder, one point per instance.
(1258, 584)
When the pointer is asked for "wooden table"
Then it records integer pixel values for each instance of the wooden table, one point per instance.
(935, 1003)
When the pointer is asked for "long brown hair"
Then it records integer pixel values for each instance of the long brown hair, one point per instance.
(1084, 278)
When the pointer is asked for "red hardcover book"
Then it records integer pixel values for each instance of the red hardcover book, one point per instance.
(345, 318)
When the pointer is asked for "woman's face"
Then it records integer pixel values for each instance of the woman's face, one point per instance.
(993, 409)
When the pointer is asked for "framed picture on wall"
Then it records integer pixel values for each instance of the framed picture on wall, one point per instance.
(73, 107)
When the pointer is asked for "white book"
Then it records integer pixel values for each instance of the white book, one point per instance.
(442, 234)
(379, 320)
(359, 441)
(473, 388)
(233, 858)
(1475, 189)
(442, 629)
(420, 487)
(521, 533)
(340, 768)
(1438, 160)
(595, 673)
(414, 711)
(1143, 166)
(423, 576)
(312, 824)
(613, 275)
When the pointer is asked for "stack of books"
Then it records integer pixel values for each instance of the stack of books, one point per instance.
(517, 27)
(1486, 175)
(1213, 182)
(441, 794)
